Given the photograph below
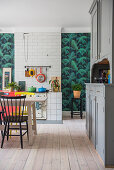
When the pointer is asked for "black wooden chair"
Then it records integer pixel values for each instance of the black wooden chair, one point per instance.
(1, 93)
(12, 113)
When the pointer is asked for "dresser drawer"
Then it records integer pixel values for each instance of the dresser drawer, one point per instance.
(99, 90)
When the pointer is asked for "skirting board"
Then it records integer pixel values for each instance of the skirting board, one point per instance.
(68, 113)
(49, 122)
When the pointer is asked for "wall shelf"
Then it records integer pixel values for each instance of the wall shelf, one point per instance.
(38, 66)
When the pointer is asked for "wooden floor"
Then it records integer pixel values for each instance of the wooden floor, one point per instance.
(56, 147)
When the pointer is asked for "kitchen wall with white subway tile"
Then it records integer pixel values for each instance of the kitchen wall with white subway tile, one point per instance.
(40, 49)
(37, 49)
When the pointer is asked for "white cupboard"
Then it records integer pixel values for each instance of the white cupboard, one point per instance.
(99, 96)
(100, 118)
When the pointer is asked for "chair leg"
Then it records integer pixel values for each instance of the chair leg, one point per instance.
(27, 129)
(21, 137)
(4, 133)
(8, 132)
(1, 124)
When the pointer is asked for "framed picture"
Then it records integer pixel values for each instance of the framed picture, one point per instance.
(6, 77)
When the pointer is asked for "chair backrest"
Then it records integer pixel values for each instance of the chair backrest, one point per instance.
(12, 107)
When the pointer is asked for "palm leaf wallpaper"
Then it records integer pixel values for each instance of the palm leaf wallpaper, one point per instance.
(75, 66)
(6, 53)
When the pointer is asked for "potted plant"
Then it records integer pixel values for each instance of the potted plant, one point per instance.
(77, 90)
(12, 86)
(55, 84)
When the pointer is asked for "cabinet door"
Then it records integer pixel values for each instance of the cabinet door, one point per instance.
(99, 29)
(106, 27)
(87, 111)
(100, 126)
(94, 37)
(92, 119)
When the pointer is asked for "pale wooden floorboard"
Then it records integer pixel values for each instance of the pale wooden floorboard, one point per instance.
(56, 161)
(56, 147)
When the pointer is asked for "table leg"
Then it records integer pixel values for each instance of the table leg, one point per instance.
(30, 132)
(34, 119)
(81, 108)
(72, 108)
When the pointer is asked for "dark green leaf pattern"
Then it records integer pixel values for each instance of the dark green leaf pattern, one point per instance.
(6, 53)
(75, 65)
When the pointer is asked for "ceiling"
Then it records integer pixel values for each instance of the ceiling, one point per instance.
(45, 13)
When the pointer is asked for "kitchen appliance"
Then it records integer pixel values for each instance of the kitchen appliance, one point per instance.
(31, 72)
(46, 74)
(35, 72)
(40, 77)
(31, 89)
(27, 73)
(42, 89)
(41, 112)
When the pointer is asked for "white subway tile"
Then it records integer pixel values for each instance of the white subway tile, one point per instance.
(48, 117)
(59, 117)
(53, 117)
(59, 112)
(59, 106)
(53, 112)
(53, 106)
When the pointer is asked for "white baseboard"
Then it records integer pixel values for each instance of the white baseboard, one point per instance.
(68, 113)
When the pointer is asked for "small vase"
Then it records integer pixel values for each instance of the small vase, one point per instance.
(55, 89)
(77, 94)
(11, 89)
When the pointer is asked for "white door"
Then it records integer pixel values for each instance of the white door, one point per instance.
(94, 37)
(100, 126)
(106, 27)
(92, 119)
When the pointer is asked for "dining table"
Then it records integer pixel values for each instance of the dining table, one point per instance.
(31, 110)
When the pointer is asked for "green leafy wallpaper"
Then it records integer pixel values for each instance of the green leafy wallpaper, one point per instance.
(6, 53)
(75, 65)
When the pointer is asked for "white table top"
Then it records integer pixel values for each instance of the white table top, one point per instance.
(32, 99)
(36, 99)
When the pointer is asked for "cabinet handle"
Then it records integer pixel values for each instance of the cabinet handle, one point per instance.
(91, 90)
(97, 125)
(109, 40)
(98, 91)
(91, 118)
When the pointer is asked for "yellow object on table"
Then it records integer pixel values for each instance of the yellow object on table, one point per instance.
(24, 93)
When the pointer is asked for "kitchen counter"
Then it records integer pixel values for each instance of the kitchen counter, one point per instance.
(53, 108)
